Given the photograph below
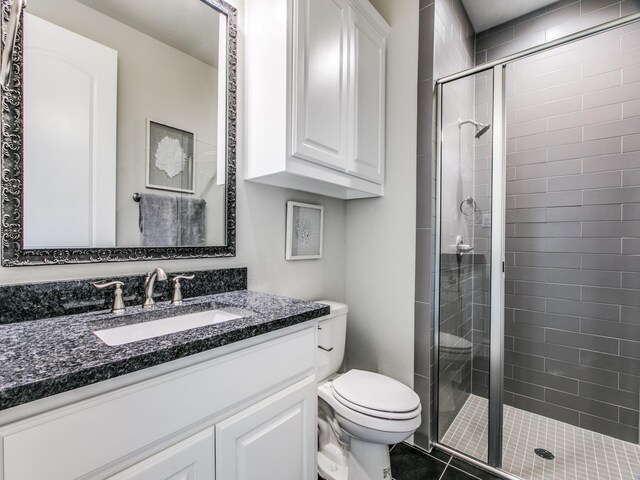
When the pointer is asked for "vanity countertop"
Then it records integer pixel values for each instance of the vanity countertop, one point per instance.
(40, 358)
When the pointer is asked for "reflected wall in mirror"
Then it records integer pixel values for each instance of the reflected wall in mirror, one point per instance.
(126, 149)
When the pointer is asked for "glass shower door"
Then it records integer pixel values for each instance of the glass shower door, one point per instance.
(464, 263)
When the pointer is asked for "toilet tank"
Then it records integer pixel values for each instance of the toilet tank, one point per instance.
(332, 331)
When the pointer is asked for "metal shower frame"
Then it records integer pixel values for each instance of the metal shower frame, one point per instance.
(498, 199)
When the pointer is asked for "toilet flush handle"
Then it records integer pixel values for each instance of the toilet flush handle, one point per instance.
(325, 348)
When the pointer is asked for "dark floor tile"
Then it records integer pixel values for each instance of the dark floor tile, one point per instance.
(440, 455)
(455, 474)
(408, 463)
(470, 469)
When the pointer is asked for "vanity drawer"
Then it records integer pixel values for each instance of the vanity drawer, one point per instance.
(81, 438)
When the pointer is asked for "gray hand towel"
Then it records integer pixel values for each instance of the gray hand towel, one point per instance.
(158, 220)
(192, 219)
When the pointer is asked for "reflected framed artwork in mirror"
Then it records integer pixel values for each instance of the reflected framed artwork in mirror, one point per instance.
(78, 143)
(170, 158)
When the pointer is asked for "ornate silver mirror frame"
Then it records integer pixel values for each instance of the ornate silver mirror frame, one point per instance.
(13, 253)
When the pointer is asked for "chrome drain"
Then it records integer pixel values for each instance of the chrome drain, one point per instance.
(546, 454)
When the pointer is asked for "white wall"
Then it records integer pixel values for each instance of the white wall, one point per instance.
(261, 212)
(380, 251)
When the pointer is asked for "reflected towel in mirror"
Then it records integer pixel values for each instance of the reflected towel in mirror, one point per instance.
(192, 220)
(158, 219)
(169, 221)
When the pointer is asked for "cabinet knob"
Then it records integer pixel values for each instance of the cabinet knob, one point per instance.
(118, 304)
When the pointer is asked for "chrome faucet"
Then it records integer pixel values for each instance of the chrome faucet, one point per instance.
(152, 276)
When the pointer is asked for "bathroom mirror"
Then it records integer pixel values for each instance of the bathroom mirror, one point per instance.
(118, 138)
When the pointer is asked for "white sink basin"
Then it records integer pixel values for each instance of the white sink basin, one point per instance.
(155, 328)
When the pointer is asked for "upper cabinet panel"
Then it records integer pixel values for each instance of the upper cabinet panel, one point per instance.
(322, 129)
(321, 82)
(368, 76)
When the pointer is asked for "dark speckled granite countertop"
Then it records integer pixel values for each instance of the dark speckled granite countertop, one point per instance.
(40, 358)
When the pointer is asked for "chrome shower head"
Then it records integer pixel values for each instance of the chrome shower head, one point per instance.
(481, 128)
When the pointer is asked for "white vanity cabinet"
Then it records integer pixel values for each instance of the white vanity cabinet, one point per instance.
(225, 414)
(265, 441)
(191, 459)
(315, 95)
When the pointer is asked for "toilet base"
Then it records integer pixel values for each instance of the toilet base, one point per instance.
(330, 470)
(369, 461)
(366, 461)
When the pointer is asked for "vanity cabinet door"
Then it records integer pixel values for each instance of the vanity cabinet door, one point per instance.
(274, 439)
(191, 459)
(321, 109)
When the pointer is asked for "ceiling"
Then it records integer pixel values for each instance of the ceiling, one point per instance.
(485, 14)
(191, 27)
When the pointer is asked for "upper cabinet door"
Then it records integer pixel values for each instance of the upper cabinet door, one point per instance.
(321, 82)
(368, 83)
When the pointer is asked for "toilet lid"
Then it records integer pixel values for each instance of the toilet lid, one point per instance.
(375, 394)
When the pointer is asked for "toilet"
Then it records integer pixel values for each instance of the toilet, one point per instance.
(453, 348)
(360, 413)
(453, 353)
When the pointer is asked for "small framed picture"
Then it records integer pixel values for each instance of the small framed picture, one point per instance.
(304, 231)
(170, 158)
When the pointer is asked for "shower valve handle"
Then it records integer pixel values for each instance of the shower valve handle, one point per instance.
(463, 248)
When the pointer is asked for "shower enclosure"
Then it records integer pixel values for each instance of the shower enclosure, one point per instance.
(537, 310)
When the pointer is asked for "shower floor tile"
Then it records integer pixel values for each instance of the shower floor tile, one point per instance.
(579, 454)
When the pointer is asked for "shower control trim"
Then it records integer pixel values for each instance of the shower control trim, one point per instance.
(462, 248)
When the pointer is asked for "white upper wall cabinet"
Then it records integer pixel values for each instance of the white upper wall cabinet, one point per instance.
(315, 96)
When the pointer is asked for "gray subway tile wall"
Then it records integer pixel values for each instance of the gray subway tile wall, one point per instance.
(574, 208)
(454, 46)
(549, 23)
(423, 366)
(573, 161)
(446, 46)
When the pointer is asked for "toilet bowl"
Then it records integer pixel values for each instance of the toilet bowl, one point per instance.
(453, 353)
(454, 348)
(360, 413)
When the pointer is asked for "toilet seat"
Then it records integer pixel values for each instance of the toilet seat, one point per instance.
(454, 344)
(376, 395)
(374, 423)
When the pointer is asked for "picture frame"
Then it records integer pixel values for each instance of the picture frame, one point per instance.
(170, 162)
(305, 224)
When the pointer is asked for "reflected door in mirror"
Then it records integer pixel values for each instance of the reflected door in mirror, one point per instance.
(70, 138)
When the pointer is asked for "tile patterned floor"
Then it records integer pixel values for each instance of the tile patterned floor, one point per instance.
(580, 454)
(408, 463)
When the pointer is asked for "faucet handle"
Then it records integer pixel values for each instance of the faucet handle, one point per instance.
(118, 304)
(177, 288)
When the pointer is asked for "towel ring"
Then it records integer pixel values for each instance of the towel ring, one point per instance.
(472, 206)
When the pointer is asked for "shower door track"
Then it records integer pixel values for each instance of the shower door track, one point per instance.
(498, 175)
(475, 462)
